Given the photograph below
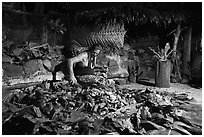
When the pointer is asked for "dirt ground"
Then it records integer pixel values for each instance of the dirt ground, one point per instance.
(178, 88)
(193, 110)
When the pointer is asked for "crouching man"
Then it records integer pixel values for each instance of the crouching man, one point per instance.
(80, 64)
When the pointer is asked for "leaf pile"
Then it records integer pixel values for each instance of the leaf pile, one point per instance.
(60, 108)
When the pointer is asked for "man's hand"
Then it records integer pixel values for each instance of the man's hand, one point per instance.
(73, 80)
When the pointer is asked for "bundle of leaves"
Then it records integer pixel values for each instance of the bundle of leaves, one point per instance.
(61, 108)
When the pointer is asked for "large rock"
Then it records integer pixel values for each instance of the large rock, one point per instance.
(6, 58)
(121, 71)
(117, 66)
(17, 51)
(102, 60)
(113, 66)
(48, 64)
(33, 66)
(12, 70)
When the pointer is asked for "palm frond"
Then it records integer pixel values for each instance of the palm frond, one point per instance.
(109, 37)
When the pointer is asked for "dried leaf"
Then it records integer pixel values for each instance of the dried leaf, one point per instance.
(112, 133)
(148, 125)
(37, 111)
(97, 125)
(75, 116)
(102, 105)
(159, 132)
(180, 129)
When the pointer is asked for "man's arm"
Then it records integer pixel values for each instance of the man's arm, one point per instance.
(74, 60)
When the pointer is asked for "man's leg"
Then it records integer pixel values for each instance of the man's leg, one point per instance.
(54, 76)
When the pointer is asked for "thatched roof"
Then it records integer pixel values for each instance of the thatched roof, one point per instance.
(119, 14)
(137, 13)
(103, 23)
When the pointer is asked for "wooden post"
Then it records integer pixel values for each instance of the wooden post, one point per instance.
(176, 39)
(174, 54)
(187, 52)
(163, 71)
